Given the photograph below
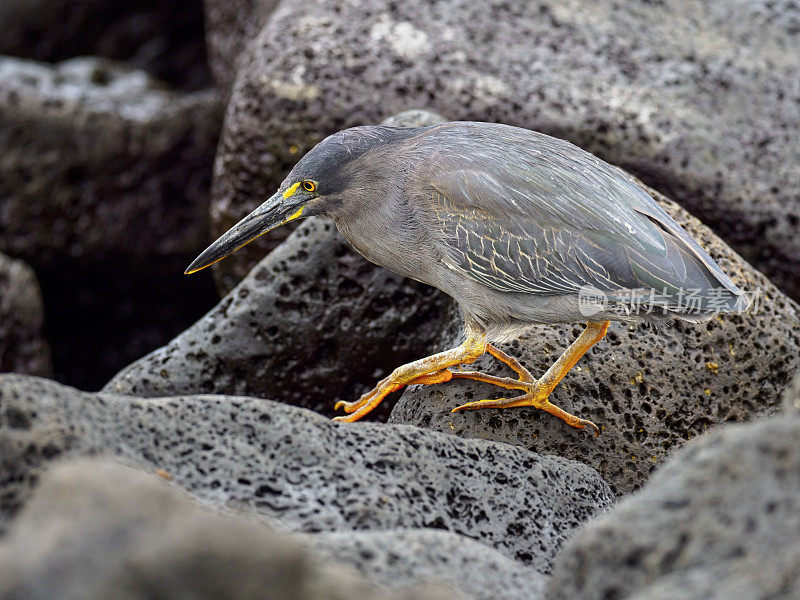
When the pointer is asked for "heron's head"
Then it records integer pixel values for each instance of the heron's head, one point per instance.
(336, 170)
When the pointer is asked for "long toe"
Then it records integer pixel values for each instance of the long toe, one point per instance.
(352, 418)
(349, 407)
(536, 401)
(503, 382)
(490, 403)
(568, 418)
(516, 366)
(366, 403)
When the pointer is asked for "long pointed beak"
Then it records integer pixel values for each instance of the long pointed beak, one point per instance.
(268, 216)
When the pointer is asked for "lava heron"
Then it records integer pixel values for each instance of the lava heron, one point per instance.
(519, 227)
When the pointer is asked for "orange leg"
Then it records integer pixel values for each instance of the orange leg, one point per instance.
(516, 366)
(537, 392)
(435, 369)
(432, 369)
(439, 377)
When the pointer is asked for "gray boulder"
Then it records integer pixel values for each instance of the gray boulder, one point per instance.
(698, 99)
(23, 348)
(720, 520)
(791, 397)
(163, 38)
(229, 25)
(402, 557)
(649, 390)
(313, 474)
(97, 158)
(97, 529)
(104, 177)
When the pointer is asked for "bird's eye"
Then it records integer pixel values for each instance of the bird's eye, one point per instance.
(309, 186)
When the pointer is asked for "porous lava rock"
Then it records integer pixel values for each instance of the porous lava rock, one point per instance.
(98, 529)
(163, 38)
(97, 158)
(719, 520)
(23, 348)
(403, 556)
(269, 458)
(229, 26)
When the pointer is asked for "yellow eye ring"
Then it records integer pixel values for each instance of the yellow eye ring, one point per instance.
(309, 186)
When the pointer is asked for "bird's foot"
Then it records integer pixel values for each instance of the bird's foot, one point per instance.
(428, 370)
(535, 396)
(357, 409)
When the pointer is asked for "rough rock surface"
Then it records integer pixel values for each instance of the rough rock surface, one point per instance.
(104, 178)
(719, 520)
(314, 474)
(23, 349)
(229, 25)
(649, 390)
(163, 38)
(791, 397)
(98, 158)
(311, 324)
(97, 529)
(401, 557)
(699, 100)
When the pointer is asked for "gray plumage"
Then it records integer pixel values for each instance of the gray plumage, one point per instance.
(519, 227)
(516, 225)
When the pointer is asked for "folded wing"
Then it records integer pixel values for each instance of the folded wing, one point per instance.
(544, 217)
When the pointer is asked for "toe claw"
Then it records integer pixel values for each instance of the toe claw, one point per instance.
(340, 404)
(595, 428)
